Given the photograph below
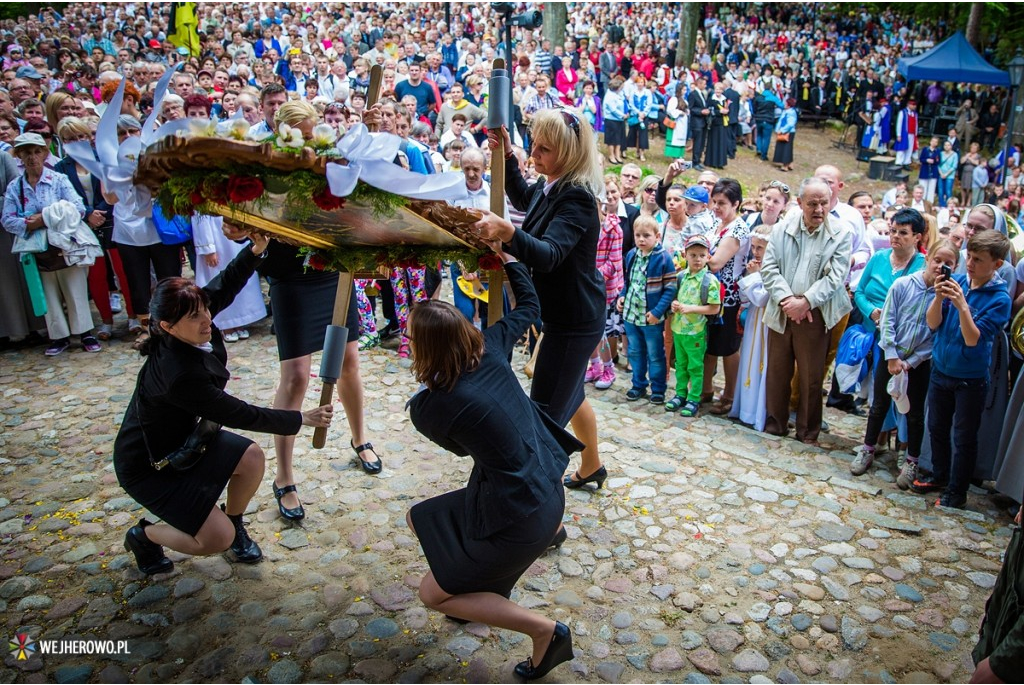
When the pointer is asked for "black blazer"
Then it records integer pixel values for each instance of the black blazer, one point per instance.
(696, 101)
(632, 212)
(734, 106)
(519, 452)
(558, 241)
(179, 383)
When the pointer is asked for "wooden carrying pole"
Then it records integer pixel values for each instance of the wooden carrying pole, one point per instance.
(335, 341)
(499, 82)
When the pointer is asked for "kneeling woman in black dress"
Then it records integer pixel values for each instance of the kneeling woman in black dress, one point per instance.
(181, 381)
(479, 540)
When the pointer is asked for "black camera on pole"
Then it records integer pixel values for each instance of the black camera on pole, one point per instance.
(527, 20)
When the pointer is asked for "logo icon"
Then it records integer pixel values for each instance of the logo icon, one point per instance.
(23, 647)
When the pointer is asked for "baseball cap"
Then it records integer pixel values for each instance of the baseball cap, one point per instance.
(155, 44)
(697, 240)
(696, 193)
(898, 391)
(29, 139)
(28, 71)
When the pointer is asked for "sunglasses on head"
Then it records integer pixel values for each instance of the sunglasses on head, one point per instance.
(780, 185)
(572, 121)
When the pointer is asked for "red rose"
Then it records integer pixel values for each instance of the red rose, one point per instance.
(196, 198)
(326, 201)
(316, 262)
(489, 262)
(244, 188)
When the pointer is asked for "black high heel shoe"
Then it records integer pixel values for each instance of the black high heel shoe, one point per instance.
(371, 467)
(599, 477)
(559, 651)
(296, 514)
(559, 539)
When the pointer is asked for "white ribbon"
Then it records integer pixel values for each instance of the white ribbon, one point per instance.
(370, 160)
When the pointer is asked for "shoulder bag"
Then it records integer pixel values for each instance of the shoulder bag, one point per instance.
(189, 454)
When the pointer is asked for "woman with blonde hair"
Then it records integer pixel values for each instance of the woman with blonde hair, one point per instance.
(558, 240)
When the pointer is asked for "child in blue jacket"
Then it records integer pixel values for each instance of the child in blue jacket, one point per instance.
(967, 312)
(650, 287)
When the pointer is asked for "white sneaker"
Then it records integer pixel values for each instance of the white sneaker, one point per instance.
(243, 333)
(862, 462)
(231, 337)
(908, 474)
(115, 303)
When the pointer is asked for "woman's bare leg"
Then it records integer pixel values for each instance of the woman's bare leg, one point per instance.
(350, 392)
(290, 391)
(584, 425)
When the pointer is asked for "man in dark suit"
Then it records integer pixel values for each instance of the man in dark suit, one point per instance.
(698, 103)
(819, 99)
(733, 129)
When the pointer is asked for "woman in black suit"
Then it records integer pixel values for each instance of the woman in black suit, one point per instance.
(558, 241)
(183, 379)
(481, 539)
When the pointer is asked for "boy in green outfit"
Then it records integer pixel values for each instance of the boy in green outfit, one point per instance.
(698, 296)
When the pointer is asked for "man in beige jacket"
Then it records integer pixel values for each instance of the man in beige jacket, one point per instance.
(804, 271)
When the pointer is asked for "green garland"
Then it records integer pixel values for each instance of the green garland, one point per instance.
(363, 259)
(179, 194)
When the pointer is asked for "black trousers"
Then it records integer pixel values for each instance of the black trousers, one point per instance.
(917, 393)
(165, 261)
(699, 135)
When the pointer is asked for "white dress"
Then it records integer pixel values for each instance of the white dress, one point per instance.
(248, 306)
(749, 404)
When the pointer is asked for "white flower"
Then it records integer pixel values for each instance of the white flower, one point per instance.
(324, 135)
(238, 129)
(259, 135)
(289, 137)
(202, 128)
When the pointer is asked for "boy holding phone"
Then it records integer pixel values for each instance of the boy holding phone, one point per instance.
(966, 314)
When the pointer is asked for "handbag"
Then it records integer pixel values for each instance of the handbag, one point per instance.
(669, 122)
(34, 243)
(782, 137)
(189, 454)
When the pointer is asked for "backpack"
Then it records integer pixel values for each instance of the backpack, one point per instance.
(705, 286)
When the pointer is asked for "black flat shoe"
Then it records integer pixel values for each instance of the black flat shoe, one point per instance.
(559, 539)
(598, 477)
(559, 651)
(149, 556)
(296, 514)
(371, 467)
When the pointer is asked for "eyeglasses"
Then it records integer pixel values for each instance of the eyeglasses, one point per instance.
(971, 226)
(780, 185)
(572, 121)
(652, 189)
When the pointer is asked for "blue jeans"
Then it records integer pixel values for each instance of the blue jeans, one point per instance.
(764, 138)
(945, 190)
(647, 351)
(956, 402)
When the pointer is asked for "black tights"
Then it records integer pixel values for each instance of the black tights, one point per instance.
(917, 391)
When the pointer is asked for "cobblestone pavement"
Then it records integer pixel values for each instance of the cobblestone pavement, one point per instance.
(712, 553)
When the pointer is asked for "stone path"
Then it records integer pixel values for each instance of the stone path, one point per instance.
(713, 554)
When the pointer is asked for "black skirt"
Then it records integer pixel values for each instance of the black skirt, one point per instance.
(303, 307)
(637, 136)
(184, 499)
(461, 564)
(716, 155)
(725, 338)
(614, 132)
(783, 151)
(561, 367)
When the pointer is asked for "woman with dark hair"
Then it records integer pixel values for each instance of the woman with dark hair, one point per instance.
(558, 240)
(479, 540)
(785, 131)
(730, 242)
(181, 383)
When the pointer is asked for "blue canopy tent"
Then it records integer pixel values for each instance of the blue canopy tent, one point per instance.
(952, 60)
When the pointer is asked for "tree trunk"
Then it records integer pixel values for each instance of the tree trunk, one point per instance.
(974, 25)
(555, 21)
(689, 22)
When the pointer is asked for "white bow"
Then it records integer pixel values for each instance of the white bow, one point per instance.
(370, 159)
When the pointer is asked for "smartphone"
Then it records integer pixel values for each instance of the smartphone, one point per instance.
(947, 273)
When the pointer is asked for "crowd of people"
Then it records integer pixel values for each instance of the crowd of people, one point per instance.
(901, 299)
